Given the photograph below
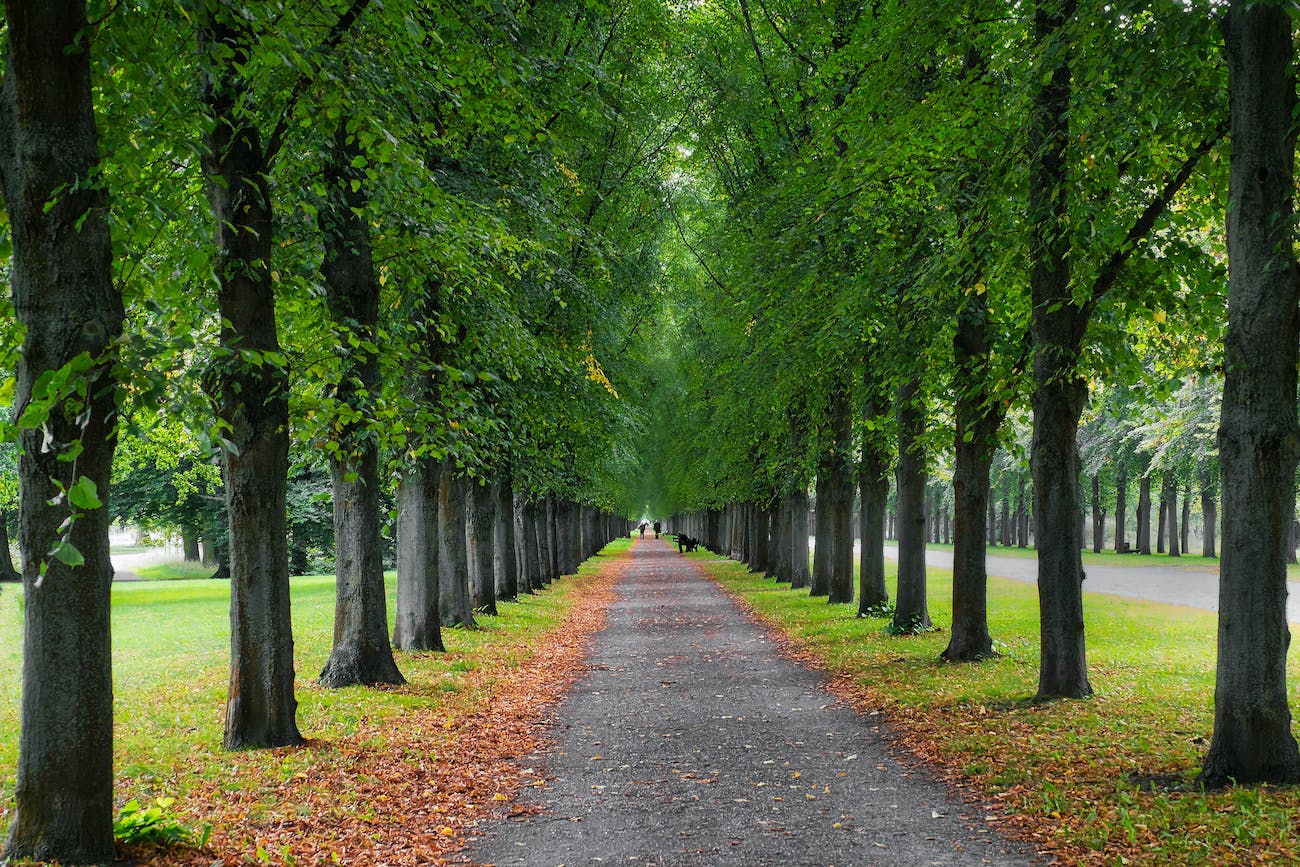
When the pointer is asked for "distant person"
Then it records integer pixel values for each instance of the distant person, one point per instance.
(643, 526)
(656, 529)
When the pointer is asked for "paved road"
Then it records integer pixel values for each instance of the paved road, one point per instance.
(1194, 586)
(691, 740)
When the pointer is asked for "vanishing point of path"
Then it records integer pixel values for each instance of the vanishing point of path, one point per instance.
(692, 740)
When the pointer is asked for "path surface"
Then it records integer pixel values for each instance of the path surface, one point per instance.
(1195, 586)
(693, 741)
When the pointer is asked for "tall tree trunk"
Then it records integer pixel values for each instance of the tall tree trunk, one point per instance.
(1209, 515)
(840, 492)
(418, 625)
(822, 536)
(1144, 515)
(1258, 431)
(453, 549)
(1184, 528)
(1162, 523)
(64, 297)
(481, 521)
(1098, 516)
(978, 420)
(991, 530)
(1121, 505)
(1057, 326)
(800, 576)
(253, 387)
(361, 653)
(1022, 509)
(525, 552)
(911, 609)
(1171, 497)
(873, 482)
(189, 546)
(505, 563)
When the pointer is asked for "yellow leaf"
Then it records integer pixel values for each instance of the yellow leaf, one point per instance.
(1161, 316)
(500, 797)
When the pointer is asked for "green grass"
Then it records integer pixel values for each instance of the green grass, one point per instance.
(174, 570)
(1070, 767)
(1110, 558)
(171, 647)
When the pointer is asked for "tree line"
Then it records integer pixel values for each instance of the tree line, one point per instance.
(916, 240)
(391, 253)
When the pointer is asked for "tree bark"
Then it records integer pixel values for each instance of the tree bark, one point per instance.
(1057, 326)
(252, 391)
(800, 576)
(1144, 515)
(1184, 528)
(1162, 522)
(873, 482)
(453, 549)
(1258, 430)
(361, 653)
(189, 545)
(481, 519)
(1121, 505)
(64, 297)
(1098, 516)
(840, 493)
(911, 609)
(1171, 498)
(418, 625)
(1209, 515)
(505, 563)
(7, 570)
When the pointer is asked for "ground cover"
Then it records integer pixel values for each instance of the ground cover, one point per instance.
(172, 570)
(1110, 558)
(1106, 780)
(390, 776)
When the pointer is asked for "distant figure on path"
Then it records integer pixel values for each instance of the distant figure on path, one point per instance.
(656, 529)
(643, 526)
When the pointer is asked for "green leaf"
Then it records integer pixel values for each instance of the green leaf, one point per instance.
(67, 553)
(84, 494)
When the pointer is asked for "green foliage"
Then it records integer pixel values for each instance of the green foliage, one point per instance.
(155, 825)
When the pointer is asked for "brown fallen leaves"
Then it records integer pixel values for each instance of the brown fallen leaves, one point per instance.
(406, 789)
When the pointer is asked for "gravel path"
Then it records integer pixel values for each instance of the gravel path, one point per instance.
(693, 741)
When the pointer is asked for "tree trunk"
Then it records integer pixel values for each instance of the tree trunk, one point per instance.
(822, 536)
(453, 549)
(418, 626)
(524, 556)
(253, 387)
(1144, 515)
(189, 545)
(361, 653)
(873, 482)
(1098, 516)
(991, 530)
(1057, 326)
(1022, 510)
(481, 521)
(553, 538)
(1121, 505)
(799, 572)
(977, 420)
(911, 611)
(64, 297)
(1185, 528)
(840, 493)
(1171, 497)
(1258, 431)
(1209, 515)
(505, 563)
(1162, 523)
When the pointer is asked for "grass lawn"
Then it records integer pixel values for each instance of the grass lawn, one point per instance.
(1075, 777)
(175, 569)
(1110, 558)
(170, 667)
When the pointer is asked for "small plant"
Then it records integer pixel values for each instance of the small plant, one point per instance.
(911, 626)
(156, 826)
(880, 609)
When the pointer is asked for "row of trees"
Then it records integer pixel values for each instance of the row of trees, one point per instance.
(902, 226)
(403, 243)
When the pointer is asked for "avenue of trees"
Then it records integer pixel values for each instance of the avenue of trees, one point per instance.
(270, 260)
(480, 280)
(1012, 264)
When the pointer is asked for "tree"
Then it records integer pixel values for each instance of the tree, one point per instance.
(1258, 433)
(66, 392)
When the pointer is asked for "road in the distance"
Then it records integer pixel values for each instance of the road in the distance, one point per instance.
(1194, 586)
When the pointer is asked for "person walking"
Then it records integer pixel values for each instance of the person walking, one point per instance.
(643, 526)
(656, 529)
